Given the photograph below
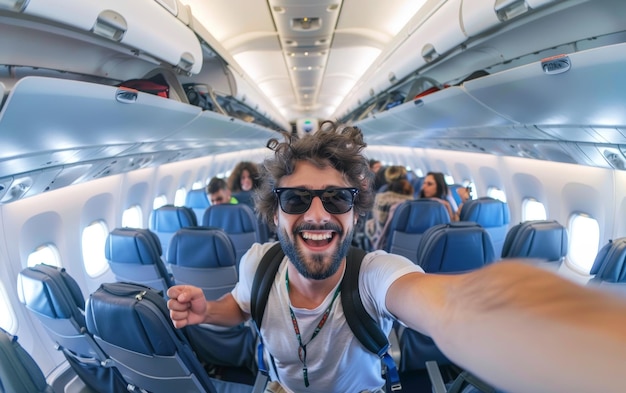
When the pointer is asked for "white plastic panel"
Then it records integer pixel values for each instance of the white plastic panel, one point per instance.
(48, 114)
(590, 94)
(150, 28)
(478, 16)
(442, 39)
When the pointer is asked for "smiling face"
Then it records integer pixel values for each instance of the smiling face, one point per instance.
(315, 241)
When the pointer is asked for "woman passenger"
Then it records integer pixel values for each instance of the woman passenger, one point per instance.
(399, 190)
(435, 187)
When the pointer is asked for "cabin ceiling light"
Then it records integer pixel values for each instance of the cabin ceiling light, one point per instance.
(306, 23)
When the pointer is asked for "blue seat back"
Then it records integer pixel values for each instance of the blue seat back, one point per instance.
(491, 214)
(545, 240)
(410, 220)
(150, 353)
(198, 201)
(445, 248)
(55, 298)
(609, 267)
(455, 247)
(238, 221)
(19, 373)
(204, 257)
(167, 219)
(134, 255)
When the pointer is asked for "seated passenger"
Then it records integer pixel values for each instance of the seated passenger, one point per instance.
(218, 192)
(242, 182)
(400, 190)
(435, 186)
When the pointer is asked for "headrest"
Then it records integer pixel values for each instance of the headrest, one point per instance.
(233, 218)
(455, 247)
(201, 247)
(170, 218)
(486, 211)
(133, 245)
(197, 199)
(147, 330)
(418, 215)
(545, 239)
(610, 262)
(44, 291)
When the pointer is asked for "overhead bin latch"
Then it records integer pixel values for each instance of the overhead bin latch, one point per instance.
(125, 95)
(186, 62)
(111, 25)
(13, 5)
(556, 64)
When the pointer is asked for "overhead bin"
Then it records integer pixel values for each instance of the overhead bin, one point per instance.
(67, 116)
(144, 26)
(561, 91)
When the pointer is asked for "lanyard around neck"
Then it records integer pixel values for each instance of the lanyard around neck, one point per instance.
(296, 329)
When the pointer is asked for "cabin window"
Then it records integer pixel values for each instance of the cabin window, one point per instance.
(179, 197)
(159, 201)
(8, 320)
(132, 217)
(584, 238)
(47, 254)
(496, 193)
(197, 185)
(93, 243)
(532, 209)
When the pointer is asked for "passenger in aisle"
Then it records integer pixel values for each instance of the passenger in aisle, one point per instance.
(506, 316)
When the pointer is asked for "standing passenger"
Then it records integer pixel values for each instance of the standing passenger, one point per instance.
(516, 326)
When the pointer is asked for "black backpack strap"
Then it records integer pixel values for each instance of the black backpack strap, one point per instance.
(363, 326)
(262, 283)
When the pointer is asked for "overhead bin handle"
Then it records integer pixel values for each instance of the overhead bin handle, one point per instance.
(111, 25)
(186, 62)
(126, 95)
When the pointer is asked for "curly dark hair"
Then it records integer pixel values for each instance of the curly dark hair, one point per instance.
(335, 146)
(234, 180)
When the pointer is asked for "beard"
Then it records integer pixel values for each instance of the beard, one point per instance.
(315, 269)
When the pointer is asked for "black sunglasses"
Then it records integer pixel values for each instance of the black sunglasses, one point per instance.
(298, 200)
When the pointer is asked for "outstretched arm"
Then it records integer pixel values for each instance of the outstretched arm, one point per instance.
(188, 306)
(518, 327)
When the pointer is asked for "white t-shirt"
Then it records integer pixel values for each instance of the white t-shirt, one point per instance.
(336, 361)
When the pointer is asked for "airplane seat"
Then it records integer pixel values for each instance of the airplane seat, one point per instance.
(198, 201)
(410, 220)
(544, 240)
(151, 354)
(134, 255)
(55, 299)
(167, 219)
(451, 248)
(204, 257)
(490, 213)
(19, 373)
(239, 222)
(609, 267)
